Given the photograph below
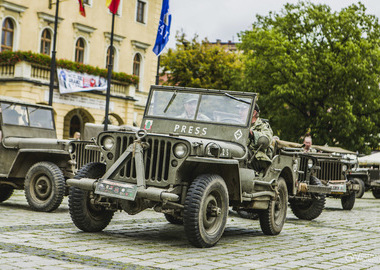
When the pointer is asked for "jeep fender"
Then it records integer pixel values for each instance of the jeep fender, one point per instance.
(228, 169)
(27, 157)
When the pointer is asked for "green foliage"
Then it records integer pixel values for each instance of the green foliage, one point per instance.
(318, 71)
(9, 57)
(200, 64)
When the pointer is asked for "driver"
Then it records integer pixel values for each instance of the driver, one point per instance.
(258, 129)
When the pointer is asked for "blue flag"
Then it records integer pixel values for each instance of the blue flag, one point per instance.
(163, 28)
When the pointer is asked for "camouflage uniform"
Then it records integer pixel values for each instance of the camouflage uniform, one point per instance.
(260, 128)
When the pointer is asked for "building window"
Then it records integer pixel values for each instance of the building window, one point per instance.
(45, 42)
(79, 50)
(140, 11)
(7, 35)
(108, 56)
(137, 67)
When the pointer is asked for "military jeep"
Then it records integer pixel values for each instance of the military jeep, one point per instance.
(32, 157)
(332, 168)
(188, 161)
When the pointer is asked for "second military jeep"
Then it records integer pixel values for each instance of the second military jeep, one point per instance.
(32, 158)
(189, 161)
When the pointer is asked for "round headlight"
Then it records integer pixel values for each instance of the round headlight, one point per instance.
(344, 168)
(108, 143)
(180, 150)
(71, 148)
(310, 163)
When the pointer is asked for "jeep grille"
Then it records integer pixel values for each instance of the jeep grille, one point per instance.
(83, 156)
(330, 170)
(156, 159)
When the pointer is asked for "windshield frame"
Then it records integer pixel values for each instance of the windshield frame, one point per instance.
(233, 98)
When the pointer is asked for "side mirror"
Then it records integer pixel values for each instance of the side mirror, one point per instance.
(263, 142)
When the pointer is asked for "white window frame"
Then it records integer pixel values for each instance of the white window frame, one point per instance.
(52, 37)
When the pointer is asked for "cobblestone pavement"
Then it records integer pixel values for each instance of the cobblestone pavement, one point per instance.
(336, 240)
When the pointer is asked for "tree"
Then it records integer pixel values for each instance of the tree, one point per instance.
(200, 64)
(318, 71)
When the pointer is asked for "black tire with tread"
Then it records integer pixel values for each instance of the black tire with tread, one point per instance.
(272, 220)
(310, 209)
(206, 210)
(174, 219)
(361, 190)
(348, 201)
(86, 216)
(6, 192)
(44, 186)
(376, 193)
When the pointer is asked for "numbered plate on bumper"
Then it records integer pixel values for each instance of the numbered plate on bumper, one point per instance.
(116, 189)
(338, 188)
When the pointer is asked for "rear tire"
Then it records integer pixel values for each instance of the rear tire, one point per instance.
(348, 201)
(86, 216)
(44, 186)
(206, 210)
(6, 192)
(312, 208)
(361, 190)
(272, 220)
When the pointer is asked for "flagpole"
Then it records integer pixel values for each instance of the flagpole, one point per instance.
(53, 64)
(158, 70)
(109, 75)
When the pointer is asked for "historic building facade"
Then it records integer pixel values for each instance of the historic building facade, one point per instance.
(28, 25)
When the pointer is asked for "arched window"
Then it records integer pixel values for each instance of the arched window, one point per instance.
(79, 50)
(75, 125)
(7, 35)
(45, 42)
(108, 56)
(137, 67)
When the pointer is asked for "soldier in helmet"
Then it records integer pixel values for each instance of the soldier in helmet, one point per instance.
(260, 129)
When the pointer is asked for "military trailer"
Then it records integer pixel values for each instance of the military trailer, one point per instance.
(32, 157)
(191, 167)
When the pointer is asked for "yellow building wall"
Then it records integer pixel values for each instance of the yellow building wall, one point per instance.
(31, 17)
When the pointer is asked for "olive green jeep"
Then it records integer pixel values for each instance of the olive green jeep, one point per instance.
(189, 162)
(32, 158)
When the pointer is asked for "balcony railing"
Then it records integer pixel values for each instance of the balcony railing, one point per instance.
(34, 72)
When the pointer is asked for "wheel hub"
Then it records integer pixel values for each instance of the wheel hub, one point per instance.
(42, 187)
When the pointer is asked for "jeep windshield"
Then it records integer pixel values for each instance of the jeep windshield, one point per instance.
(21, 115)
(202, 107)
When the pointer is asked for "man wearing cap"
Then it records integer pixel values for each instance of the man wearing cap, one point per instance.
(258, 129)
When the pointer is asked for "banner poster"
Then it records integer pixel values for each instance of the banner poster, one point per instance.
(71, 81)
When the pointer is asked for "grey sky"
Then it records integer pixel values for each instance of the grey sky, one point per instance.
(223, 19)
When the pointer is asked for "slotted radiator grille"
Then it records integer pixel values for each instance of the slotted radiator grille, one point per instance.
(156, 159)
(84, 156)
(330, 170)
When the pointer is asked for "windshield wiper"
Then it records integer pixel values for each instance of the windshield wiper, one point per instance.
(170, 101)
(238, 99)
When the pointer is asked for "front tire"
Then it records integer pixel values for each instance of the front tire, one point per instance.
(206, 210)
(348, 201)
(311, 208)
(44, 186)
(87, 216)
(272, 220)
(6, 192)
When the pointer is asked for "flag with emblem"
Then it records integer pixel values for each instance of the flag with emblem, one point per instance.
(81, 8)
(113, 5)
(163, 28)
